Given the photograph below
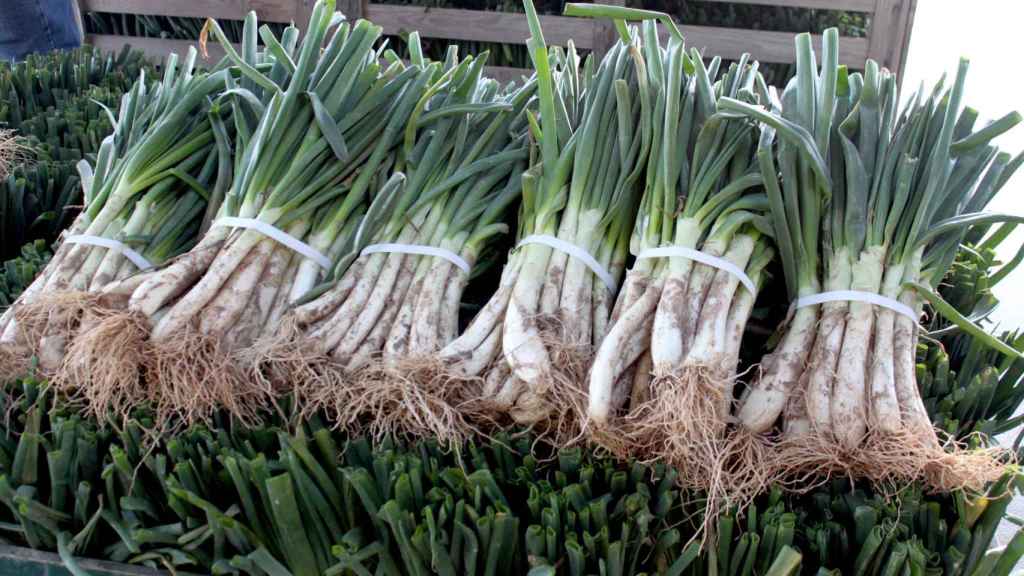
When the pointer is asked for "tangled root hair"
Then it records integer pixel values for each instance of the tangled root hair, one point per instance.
(895, 459)
(192, 375)
(54, 314)
(556, 407)
(15, 362)
(103, 368)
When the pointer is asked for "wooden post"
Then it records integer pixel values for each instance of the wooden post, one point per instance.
(604, 35)
(303, 11)
(890, 32)
(352, 9)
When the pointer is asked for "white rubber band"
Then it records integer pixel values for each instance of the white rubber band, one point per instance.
(291, 242)
(856, 296)
(134, 257)
(703, 258)
(577, 253)
(420, 250)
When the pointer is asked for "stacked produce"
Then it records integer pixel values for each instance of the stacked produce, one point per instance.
(535, 335)
(971, 391)
(307, 217)
(47, 96)
(233, 500)
(869, 202)
(397, 304)
(701, 246)
(55, 105)
(316, 130)
(38, 202)
(17, 273)
(144, 205)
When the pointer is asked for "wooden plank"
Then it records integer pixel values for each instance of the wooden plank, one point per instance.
(352, 9)
(845, 5)
(890, 32)
(267, 10)
(604, 34)
(453, 24)
(155, 49)
(728, 43)
(902, 42)
(731, 43)
(478, 25)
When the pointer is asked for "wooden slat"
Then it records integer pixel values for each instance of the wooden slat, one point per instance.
(155, 49)
(845, 5)
(267, 10)
(731, 43)
(604, 33)
(478, 25)
(453, 24)
(728, 43)
(890, 32)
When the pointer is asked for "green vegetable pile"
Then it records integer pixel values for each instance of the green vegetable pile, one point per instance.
(18, 273)
(282, 499)
(60, 107)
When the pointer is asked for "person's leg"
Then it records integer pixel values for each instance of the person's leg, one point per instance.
(28, 26)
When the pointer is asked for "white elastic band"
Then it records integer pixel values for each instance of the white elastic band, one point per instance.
(703, 258)
(420, 250)
(856, 296)
(577, 253)
(291, 242)
(134, 257)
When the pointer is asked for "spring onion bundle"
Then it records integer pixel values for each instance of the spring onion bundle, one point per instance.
(579, 196)
(449, 186)
(872, 203)
(148, 196)
(455, 175)
(315, 129)
(676, 319)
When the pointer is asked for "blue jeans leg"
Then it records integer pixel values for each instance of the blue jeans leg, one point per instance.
(28, 26)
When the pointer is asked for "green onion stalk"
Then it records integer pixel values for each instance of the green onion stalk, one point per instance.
(149, 189)
(315, 125)
(582, 188)
(670, 357)
(966, 385)
(874, 198)
(455, 175)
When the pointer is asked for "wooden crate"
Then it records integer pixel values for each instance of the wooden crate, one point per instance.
(886, 41)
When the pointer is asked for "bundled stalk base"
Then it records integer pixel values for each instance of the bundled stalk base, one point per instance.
(49, 321)
(290, 364)
(555, 406)
(195, 374)
(682, 424)
(413, 398)
(899, 458)
(13, 152)
(15, 362)
(103, 368)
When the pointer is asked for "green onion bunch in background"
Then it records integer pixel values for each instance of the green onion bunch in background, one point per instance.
(57, 108)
